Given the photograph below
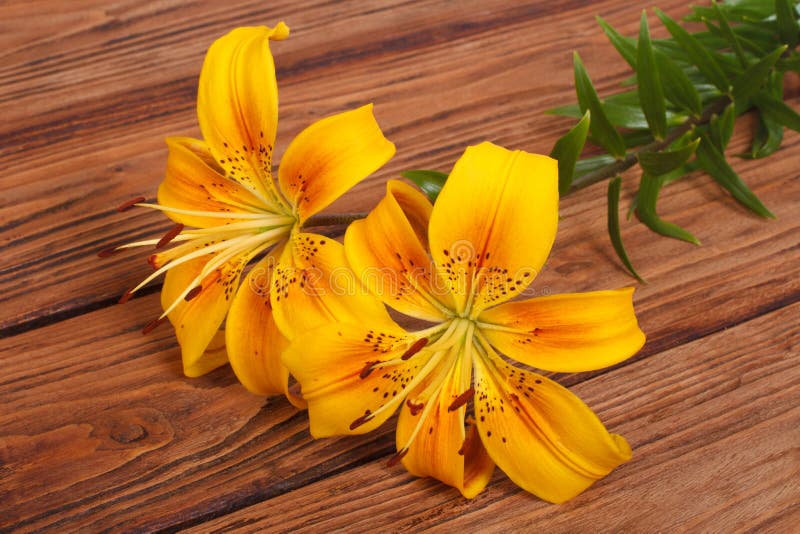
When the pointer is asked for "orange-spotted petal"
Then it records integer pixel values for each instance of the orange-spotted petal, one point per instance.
(253, 340)
(197, 320)
(312, 285)
(541, 435)
(566, 333)
(388, 252)
(494, 223)
(331, 156)
(237, 107)
(194, 182)
(352, 377)
(431, 436)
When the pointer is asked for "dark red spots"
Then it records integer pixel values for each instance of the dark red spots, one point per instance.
(415, 348)
(169, 236)
(537, 381)
(149, 327)
(106, 252)
(129, 204)
(394, 460)
(366, 370)
(193, 293)
(413, 407)
(461, 400)
(361, 420)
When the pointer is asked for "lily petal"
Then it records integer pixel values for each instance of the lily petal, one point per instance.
(312, 285)
(494, 223)
(331, 156)
(340, 374)
(440, 446)
(253, 340)
(541, 435)
(388, 252)
(566, 333)
(194, 182)
(197, 321)
(237, 107)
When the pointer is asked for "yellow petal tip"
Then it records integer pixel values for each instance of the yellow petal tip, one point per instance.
(279, 32)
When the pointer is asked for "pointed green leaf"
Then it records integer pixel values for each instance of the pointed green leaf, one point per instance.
(602, 129)
(777, 110)
(767, 138)
(614, 187)
(751, 80)
(730, 37)
(697, 53)
(677, 87)
(714, 163)
(785, 16)
(651, 94)
(624, 45)
(658, 163)
(720, 127)
(566, 151)
(649, 187)
(431, 182)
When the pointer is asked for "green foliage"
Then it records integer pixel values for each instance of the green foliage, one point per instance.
(567, 150)
(691, 87)
(602, 129)
(431, 182)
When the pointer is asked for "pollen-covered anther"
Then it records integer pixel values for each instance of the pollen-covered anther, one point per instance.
(149, 327)
(394, 460)
(461, 400)
(415, 348)
(414, 407)
(365, 372)
(170, 235)
(128, 295)
(106, 252)
(193, 293)
(125, 206)
(361, 420)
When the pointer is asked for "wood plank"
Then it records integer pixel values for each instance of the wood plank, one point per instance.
(71, 156)
(715, 428)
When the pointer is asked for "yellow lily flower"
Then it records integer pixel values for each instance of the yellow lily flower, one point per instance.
(463, 406)
(224, 188)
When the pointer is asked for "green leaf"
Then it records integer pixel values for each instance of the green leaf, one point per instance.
(658, 163)
(714, 163)
(777, 110)
(614, 187)
(730, 37)
(592, 163)
(566, 151)
(651, 94)
(696, 52)
(624, 45)
(767, 138)
(677, 87)
(787, 22)
(602, 129)
(649, 188)
(751, 80)
(431, 182)
(720, 127)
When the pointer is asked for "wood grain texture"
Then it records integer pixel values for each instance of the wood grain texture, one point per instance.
(98, 429)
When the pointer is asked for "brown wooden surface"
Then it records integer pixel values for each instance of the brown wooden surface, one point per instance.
(99, 430)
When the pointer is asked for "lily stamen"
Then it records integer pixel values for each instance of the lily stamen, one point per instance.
(125, 206)
(461, 400)
(170, 235)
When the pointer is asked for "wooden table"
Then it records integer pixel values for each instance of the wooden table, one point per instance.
(98, 427)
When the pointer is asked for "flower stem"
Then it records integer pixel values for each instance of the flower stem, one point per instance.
(613, 169)
(332, 219)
